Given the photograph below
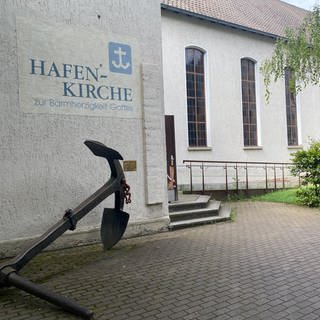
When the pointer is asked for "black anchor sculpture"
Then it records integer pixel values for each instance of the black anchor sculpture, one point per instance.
(113, 226)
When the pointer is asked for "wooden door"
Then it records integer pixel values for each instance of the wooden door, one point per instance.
(171, 157)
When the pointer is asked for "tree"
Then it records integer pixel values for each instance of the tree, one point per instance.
(299, 51)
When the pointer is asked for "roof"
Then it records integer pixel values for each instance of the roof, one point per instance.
(266, 17)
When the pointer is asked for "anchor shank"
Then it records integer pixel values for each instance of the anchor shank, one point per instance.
(63, 225)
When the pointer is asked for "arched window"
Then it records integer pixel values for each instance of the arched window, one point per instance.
(249, 109)
(291, 110)
(197, 131)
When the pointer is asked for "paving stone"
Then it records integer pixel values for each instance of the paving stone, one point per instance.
(263, 266)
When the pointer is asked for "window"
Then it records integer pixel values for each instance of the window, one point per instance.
(249, 110)
(196, 104)
(291, 108)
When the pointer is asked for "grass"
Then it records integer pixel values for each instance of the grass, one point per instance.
(233, 216)
(283, 196)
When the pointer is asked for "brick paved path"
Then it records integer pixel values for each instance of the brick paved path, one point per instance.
(266, 265)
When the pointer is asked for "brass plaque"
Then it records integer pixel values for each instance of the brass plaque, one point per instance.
(130, 165)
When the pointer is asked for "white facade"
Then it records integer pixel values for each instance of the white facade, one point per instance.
(45, 167)
(224, 48)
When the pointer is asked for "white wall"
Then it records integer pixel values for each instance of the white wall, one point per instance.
(224, 48)
(45, 167)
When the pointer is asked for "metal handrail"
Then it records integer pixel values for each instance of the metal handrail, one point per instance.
(202, 164)
(234, 162)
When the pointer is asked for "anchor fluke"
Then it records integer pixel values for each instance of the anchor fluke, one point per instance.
(113, 225)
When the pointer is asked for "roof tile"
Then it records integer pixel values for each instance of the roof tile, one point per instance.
(268, 16)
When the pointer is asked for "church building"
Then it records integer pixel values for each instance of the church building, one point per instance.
(213, 87)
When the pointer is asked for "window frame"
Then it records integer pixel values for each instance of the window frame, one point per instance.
(199, 106)
(249, 104)
(292, 112)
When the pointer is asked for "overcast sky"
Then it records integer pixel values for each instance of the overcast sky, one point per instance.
(306, 4)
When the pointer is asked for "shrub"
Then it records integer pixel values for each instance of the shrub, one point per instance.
(307, 196)
(307, 165)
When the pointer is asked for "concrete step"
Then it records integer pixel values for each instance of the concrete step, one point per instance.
(225, 211)
(189, 202)
(224, 215)
(211, 209)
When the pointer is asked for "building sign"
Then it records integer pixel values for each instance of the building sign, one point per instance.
(66, 69)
